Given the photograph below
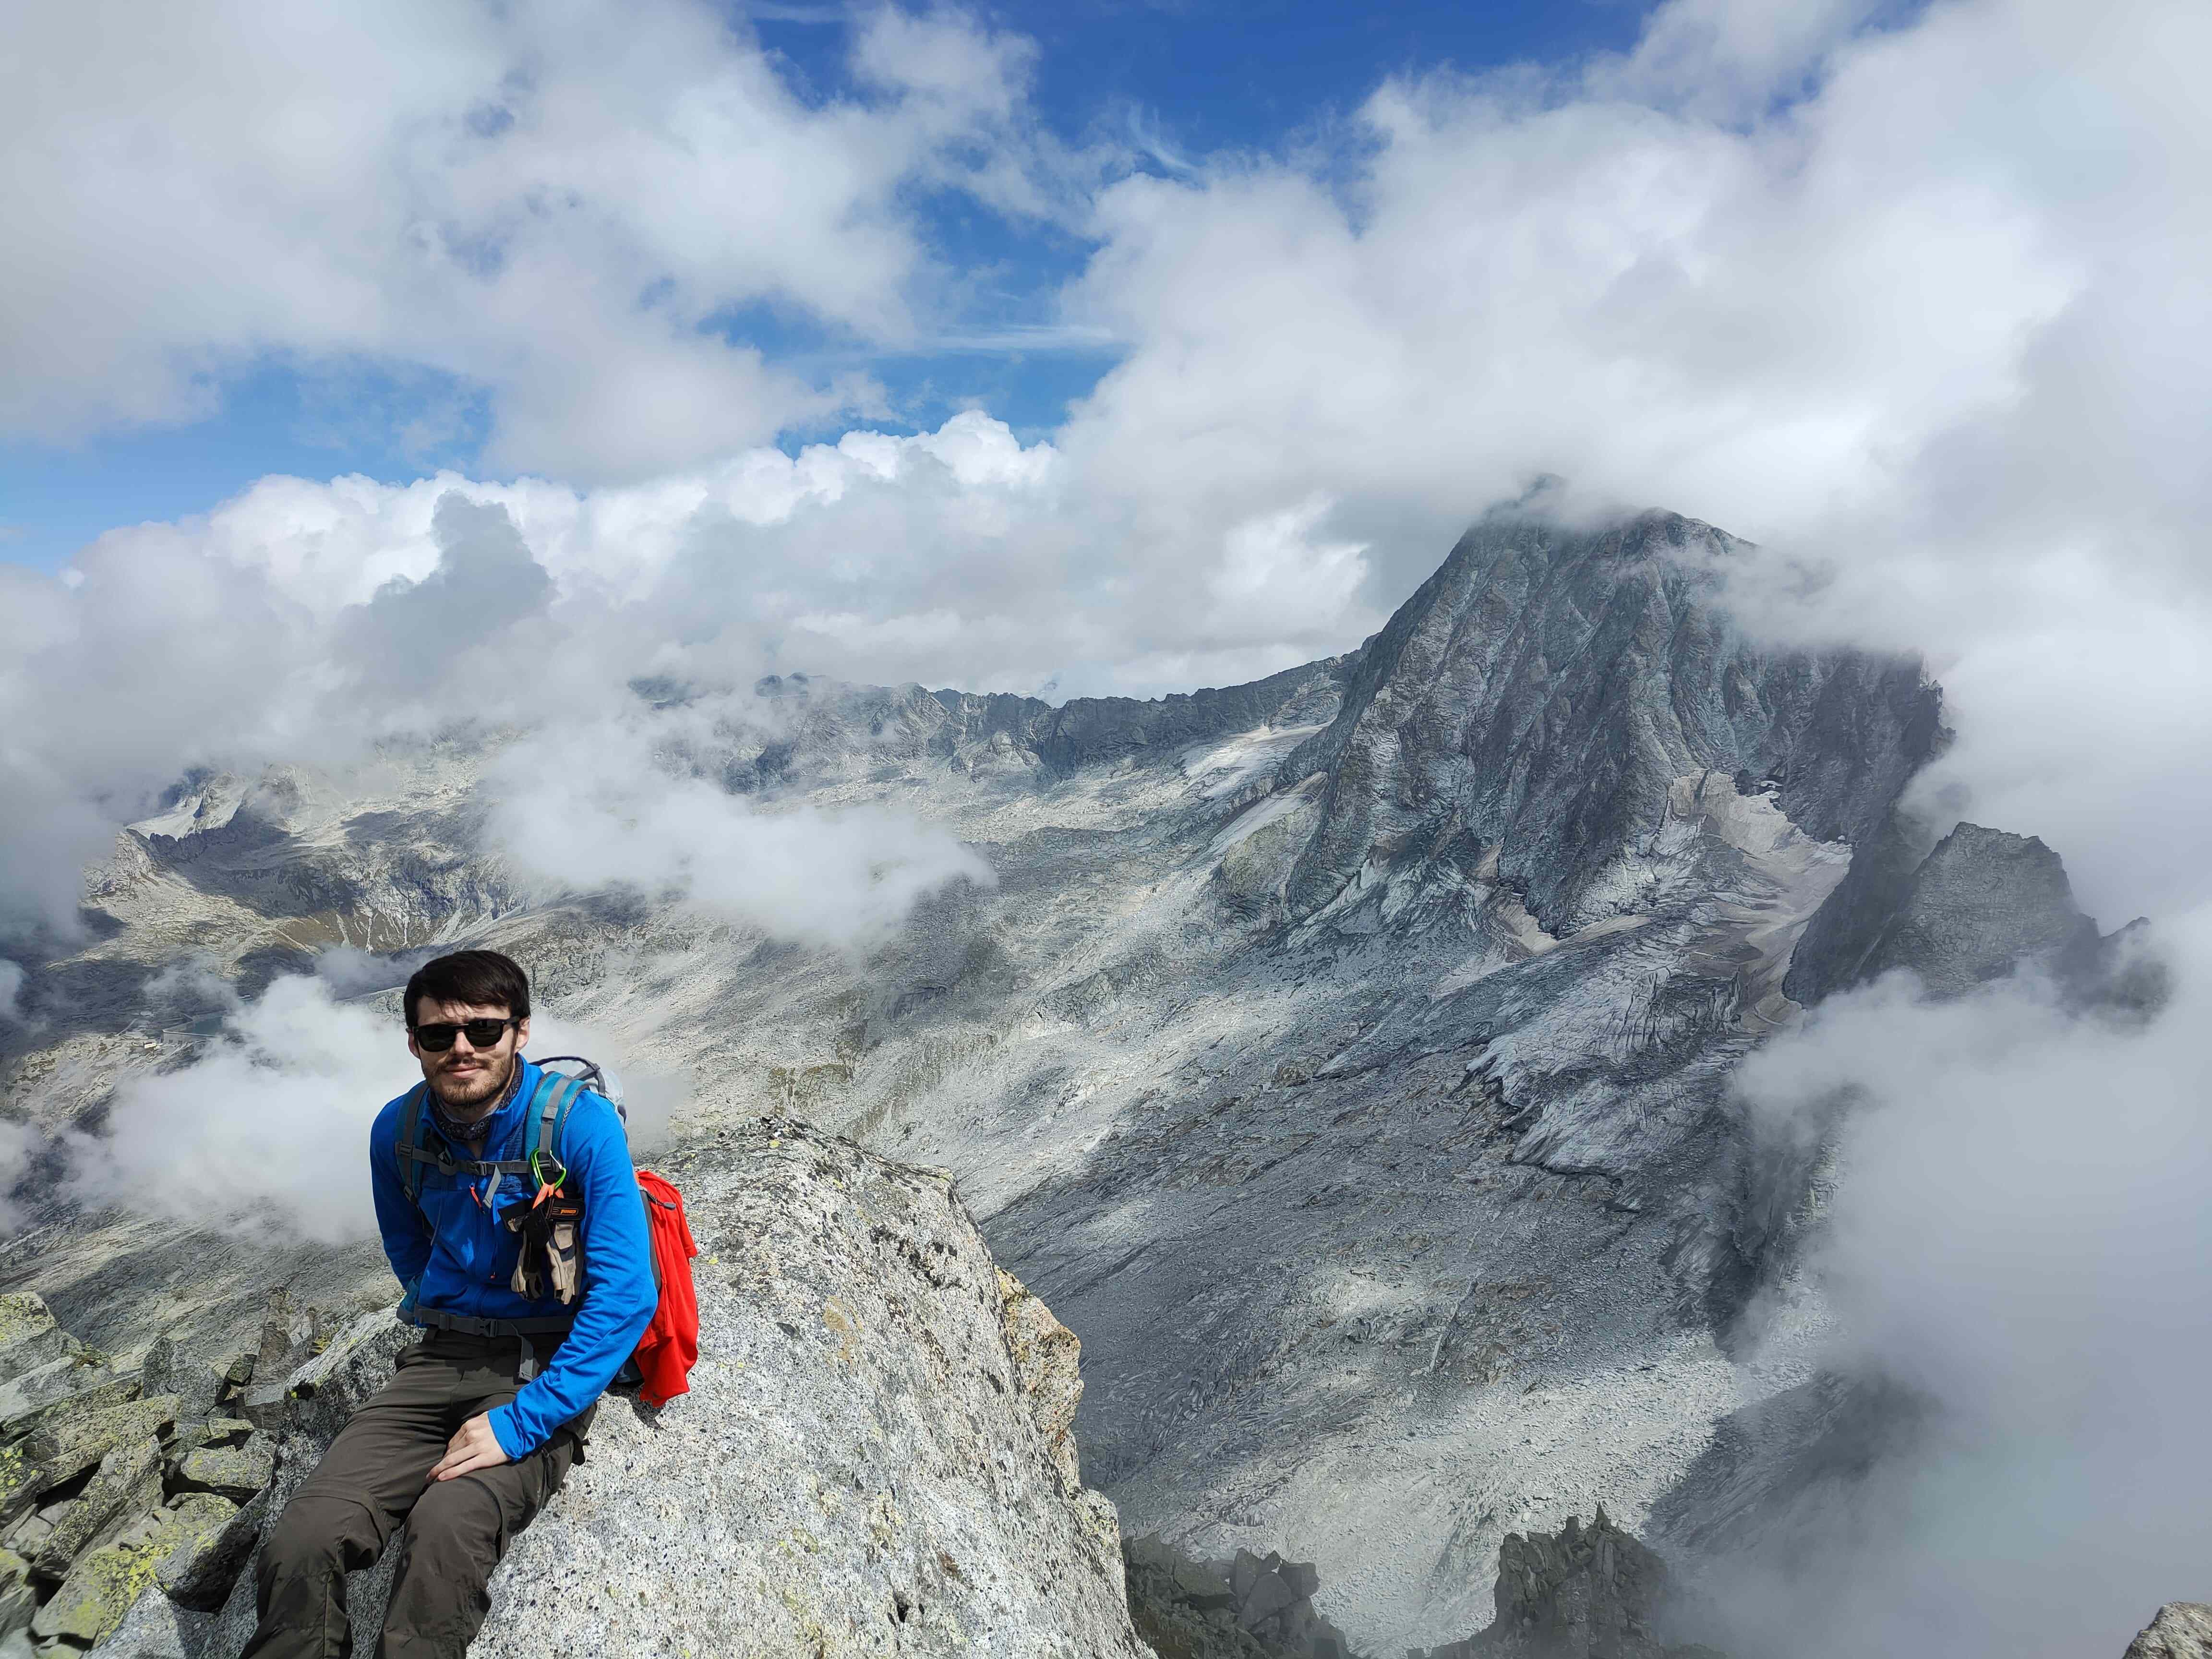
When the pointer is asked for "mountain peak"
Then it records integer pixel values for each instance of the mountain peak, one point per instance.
(1537, 698)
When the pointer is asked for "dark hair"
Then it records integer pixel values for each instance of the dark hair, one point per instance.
(483, 977)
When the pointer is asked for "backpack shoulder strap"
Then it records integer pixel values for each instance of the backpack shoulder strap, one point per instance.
(406, 1148)
(413, 1149)
(549, 1114)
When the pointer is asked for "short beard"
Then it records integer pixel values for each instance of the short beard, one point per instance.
(487, 1086)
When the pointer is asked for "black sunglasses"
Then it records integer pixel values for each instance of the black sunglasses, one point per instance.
(482, 1033)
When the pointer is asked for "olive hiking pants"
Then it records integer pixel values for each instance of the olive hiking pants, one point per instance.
(374, 1479)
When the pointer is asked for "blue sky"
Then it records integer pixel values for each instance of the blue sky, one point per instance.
(1186, 82)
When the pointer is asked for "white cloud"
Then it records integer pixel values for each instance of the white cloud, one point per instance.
(601, 808)
(253, 1133)
(555, 203)
(2018, 1233)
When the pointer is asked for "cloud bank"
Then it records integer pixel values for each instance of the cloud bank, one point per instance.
(589, 811)
(2018, 1235)
(303, 625)
(555, 208)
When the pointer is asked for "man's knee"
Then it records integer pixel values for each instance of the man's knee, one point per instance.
(319, 1535)
(440, 1596)
(459, 1519)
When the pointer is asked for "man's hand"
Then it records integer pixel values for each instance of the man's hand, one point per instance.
(475, 1447)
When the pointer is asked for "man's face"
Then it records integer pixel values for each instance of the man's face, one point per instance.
(466, 1076)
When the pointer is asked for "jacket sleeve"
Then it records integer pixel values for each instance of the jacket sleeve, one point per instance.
(406, 1235)
(618, 1299)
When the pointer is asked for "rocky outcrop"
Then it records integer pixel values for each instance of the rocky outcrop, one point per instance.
(1583, 1593)
(2183, 1630)
(95, 1498)
(1250, 1607)
(1981, 905)
(875, 1457)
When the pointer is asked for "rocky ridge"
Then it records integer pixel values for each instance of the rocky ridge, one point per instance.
(1248, 1607)
(1540, 694)
(1590, 1592)
(875, 1458)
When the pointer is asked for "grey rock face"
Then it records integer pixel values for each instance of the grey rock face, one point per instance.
(164, 1547)
(1249, 1607)
(1982, 903)
(156, 1628)
(236, 1471)
(198, 1383)
(1586, 1593)
(128, 1481)
(29, 1338)
(873, 1458)
(1542, 691)
(2182, 1629)
(65, 1382)
(1980, 906)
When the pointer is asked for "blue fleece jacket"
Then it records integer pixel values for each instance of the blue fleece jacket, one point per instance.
(455, 1254)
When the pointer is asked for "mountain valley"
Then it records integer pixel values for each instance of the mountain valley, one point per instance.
(1346, 1058)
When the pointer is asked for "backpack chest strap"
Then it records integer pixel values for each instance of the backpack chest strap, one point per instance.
(547, 1114)
(417, 1149)
(468, 1166)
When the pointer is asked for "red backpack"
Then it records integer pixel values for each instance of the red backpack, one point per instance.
(670, 1346)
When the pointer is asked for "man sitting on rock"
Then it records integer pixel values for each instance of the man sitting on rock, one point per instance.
(481, 1421)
